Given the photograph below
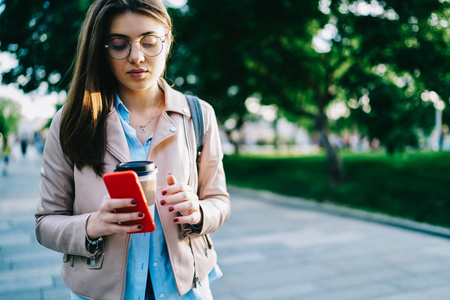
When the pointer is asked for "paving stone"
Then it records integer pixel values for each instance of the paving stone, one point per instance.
(30, 273)
(356, 293)
(25, 284)
(276, 292)
(61, 293)
(40, 253)
(4, 224)
(427, 265)
(420, 282)
(364, 277)
(19, 295)
(440, 293)
(227, 297)
(15, 239)
(222, 291)
(47, 261)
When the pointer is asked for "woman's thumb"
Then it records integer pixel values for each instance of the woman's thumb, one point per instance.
(171, 179)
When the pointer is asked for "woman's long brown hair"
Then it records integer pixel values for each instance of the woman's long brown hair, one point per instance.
(91, 94)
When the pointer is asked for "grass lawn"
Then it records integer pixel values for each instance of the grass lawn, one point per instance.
(413, 185)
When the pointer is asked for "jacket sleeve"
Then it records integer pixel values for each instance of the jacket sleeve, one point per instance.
(214, 198)
(56, 226)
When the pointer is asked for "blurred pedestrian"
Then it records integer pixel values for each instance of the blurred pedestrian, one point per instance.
(23, 145)
(119, 108)
(37, 140)
(6, 152)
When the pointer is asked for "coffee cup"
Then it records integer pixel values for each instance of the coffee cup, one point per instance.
(146, 171)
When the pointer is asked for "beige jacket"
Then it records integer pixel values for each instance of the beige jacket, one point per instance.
(68, 195)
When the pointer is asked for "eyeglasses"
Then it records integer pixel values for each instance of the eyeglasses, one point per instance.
(119, 48)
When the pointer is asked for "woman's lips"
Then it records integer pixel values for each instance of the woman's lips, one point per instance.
(137, 73)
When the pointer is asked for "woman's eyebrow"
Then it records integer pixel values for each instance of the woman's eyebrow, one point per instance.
(126, 36)
(118, 35)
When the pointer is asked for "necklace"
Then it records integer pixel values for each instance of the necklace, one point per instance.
(143, 126)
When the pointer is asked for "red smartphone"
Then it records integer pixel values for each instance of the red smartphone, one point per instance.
(126, 184)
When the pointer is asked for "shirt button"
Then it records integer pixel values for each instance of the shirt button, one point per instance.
(186, 110)
(173, 129)
(161, 295)
(155, 264)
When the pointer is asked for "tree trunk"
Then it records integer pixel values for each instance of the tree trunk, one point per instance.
(276, 136)
(236, 142)
(233, 141)
(334, 162)
(236, 147)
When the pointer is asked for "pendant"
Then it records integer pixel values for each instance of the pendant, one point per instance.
(143, 129)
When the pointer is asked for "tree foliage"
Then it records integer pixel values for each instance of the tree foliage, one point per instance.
(9, 117)
(305, 55)
(400, 56)
(43, 37)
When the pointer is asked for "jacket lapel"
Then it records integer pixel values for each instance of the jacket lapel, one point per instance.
(176, 103)
(165, 129)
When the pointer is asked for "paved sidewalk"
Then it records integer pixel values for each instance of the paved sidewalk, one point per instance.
(271, 248)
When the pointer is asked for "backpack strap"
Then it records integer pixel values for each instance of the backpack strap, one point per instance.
(197, 120)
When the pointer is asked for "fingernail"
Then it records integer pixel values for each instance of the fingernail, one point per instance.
(164, 192)
(134, 201)
(163, 202)
(170, 174)
(171, 209)
(140, 215)
(175, 220)
(140, 227)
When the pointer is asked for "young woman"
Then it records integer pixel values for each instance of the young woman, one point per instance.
(120, 109)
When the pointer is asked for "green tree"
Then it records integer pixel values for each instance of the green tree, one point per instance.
(404, 57)
(208, 57)
(9, 117)
(43, 37)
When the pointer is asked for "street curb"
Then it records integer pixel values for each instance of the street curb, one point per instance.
(344, 211)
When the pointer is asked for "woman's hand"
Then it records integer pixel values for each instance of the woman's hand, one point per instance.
(180, 198)
(107, 221)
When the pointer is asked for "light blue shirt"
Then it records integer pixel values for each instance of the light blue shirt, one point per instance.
(148, 251)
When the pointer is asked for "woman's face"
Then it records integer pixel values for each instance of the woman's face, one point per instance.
(137, 72)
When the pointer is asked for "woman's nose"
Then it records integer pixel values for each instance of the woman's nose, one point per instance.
(136, 54)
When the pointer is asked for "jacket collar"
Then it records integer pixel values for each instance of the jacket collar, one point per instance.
(175, 101)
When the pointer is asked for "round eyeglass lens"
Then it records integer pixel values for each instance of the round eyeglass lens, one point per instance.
(151, 45)
(118, 48)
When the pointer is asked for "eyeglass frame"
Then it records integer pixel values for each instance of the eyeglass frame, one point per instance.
(140, 46)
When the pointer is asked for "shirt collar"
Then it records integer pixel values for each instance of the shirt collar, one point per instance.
(121, 109)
